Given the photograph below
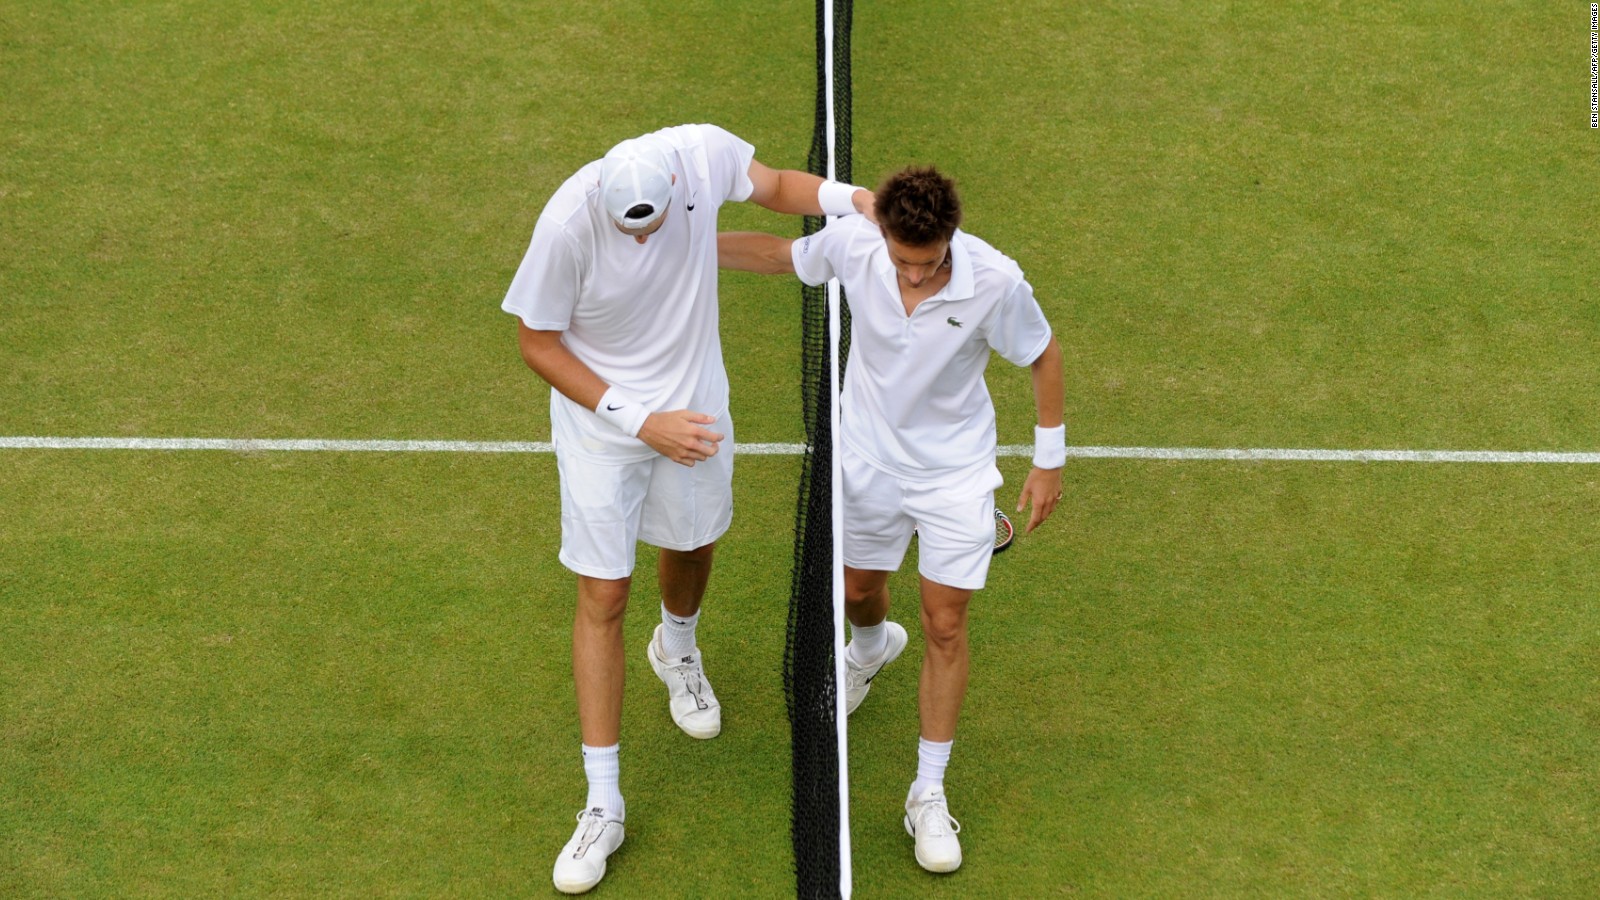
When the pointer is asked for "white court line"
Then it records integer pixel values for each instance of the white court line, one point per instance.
(1159, 453)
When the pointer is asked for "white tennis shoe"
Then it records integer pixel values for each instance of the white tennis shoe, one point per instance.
(582, 862)
(858, 678)
(693, 704)
(928, 821)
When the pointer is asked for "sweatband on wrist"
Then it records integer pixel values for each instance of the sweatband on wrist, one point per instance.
(622, 412)
(1049, 447)
(837, 198)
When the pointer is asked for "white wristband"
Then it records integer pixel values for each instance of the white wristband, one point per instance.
(837, 198)
(622, 412)
(1049, 447)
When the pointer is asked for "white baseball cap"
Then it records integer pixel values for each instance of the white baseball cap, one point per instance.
(636, 182)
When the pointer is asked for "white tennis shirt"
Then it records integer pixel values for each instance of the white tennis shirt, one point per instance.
(914, 402)
(642, 316)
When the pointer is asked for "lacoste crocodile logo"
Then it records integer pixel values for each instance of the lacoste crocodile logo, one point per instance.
(953, 322)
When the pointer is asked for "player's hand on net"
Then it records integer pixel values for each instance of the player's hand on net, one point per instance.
(679, 435)
(1042, 490)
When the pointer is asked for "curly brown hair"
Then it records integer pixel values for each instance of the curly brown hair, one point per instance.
(918, 206)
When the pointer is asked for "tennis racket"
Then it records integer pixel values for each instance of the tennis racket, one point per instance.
(1003, 532)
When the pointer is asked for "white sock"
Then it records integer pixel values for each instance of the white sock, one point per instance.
(602, 767)
(677, 633)
(867, 642)
(932, 758)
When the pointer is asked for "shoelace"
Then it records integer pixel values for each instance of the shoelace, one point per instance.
(936, 818)
(691, 676)
(692, 683)
(594, 825)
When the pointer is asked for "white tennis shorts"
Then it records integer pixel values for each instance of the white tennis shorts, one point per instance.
(607, 508)
(953, 517)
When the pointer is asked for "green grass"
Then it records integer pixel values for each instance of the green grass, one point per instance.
(346, 675)
(1253, 224)
(1226, 680)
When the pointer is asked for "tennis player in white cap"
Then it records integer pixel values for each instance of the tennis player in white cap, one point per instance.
(616, 301)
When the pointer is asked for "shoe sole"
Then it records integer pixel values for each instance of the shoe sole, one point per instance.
(579, 887)
(851, 708)
(583, 887)
(938, 867)
(657, 666)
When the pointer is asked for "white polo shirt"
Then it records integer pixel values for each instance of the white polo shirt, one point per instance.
(642, 316)
(914, 402)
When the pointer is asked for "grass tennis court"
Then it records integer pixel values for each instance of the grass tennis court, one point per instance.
(1253, 224)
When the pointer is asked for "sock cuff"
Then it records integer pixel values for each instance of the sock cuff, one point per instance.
(867, 642)
(669, 616)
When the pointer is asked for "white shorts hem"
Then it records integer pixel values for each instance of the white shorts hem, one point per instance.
(876, 565)
(595, 571)
(714, 536)
(960, 584)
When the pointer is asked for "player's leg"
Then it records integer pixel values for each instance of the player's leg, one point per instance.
(874, 640)
(673, 652)
(945, 664)
(876, 534)
(866, 596)
(597, 672)
(955, 519)
(597, 658)
(599, 522)
(686, 511)
(684, 576)
(940, 691)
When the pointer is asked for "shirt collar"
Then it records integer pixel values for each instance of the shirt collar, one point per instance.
(961, 285)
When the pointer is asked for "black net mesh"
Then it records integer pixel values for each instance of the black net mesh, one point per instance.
(808, 659)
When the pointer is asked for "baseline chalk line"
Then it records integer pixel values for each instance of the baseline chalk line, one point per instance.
(263, 445)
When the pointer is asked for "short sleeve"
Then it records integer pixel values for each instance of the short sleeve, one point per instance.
(545, 289)
(729, 159)
(811, 255)
(1018, 330)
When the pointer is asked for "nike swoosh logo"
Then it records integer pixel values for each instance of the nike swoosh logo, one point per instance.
(611, 407)
(690, 206)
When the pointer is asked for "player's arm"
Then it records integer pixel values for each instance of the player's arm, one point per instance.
(678, 435)
(753, 251)
(551, 360)
(796, 193)
(1042, 489)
